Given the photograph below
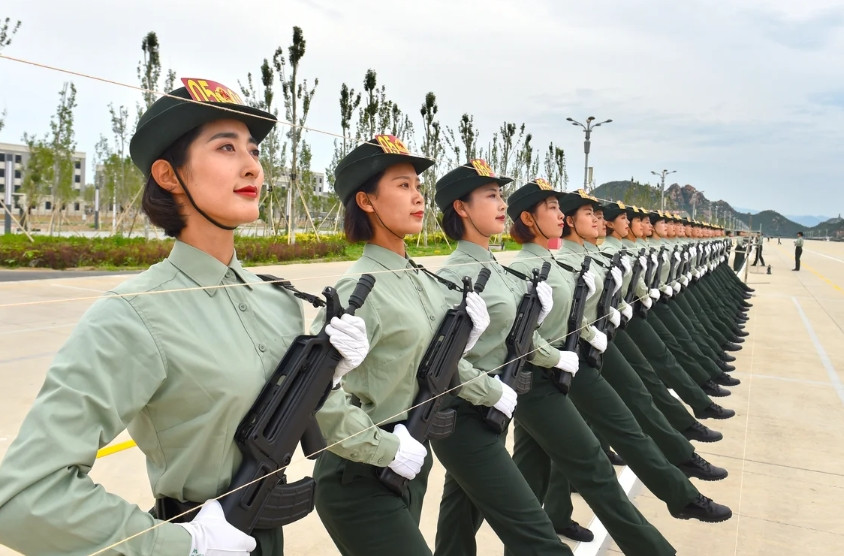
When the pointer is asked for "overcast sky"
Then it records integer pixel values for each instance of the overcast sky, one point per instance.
(743, 98)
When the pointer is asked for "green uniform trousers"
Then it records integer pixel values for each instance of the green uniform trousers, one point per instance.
(602, 407)
(664, 363)
(365, 518)
(671, 407)
(483, 482)
(685, 350)
(680, 328)
(551, 434)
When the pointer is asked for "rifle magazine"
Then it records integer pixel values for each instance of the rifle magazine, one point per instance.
(442, 424)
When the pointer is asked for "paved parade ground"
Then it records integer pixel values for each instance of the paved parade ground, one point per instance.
(784, 449)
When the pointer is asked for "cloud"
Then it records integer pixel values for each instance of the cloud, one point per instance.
(810, 33)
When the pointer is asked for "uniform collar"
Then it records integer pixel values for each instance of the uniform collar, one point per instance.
(573, 246)
(610, 240)
(390, 260)
(203, 269)
(475, 251)
(535, 249)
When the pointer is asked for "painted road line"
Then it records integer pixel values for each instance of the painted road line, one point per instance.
(627, 479)
(830, 370)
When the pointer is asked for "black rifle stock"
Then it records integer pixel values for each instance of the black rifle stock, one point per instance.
(641, 309)
(281, 418)
(630, 295)
(519, 342)
(594, 357)
(578, 305)
(437, 373)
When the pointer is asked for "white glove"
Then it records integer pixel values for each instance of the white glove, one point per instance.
(546, 298)
(614, 317)
(568, 362)
(643, 262)
(506, 404)
(685, 255)
(676, 256)
(654, 258)
(723, 258)
(599, 341)
(665, 256)
(410, 456)
(589, 279)
(627, 311)
(476, 308)
(688, 277)
(666, 290)
(212, 535)
(615, 272)
(693, 251)
(348, 335)
(653, 293)
(626, 264)
(684, 280)
(647, 302)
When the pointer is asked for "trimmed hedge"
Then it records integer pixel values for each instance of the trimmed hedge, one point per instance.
(117, 251)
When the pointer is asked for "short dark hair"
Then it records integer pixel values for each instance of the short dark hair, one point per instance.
(452, 223)
(800, 234)
(159, 204)
(520, 233)
(356, 224)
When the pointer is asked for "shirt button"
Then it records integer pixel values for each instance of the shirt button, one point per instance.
(242, 306)
(419, 288)
(262, 347)
(431, 317)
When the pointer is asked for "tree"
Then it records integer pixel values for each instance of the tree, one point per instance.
(7, 31)
(466, 141)
(432, 147)
(63, 146)
(37, 176)
(527, 166)
(297, 104)
(367, 116)
(555, 168)
(149, 69)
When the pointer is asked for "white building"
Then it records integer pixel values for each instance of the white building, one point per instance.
(18, 156)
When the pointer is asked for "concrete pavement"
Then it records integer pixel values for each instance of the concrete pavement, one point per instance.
(784, 449)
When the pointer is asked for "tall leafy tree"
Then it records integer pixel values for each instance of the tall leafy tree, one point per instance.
(7, 31)
(149, 69)
(297, 104)
(349, 102)
(37, 176)
(63, 144)
(432, 147)
(555, 167)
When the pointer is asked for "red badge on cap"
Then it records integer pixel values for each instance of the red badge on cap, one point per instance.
(482, 168)
(205, 90)
(391, 144)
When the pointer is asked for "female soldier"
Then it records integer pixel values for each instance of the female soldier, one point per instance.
(602, 406)
(176, 355)
(482, 482)
(379, 185)
(546, 420)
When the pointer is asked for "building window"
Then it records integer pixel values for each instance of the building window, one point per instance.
(48, 205)
(76, 178)
(77, 165)
(17, 159)
(2, 172)
(17, 174)
(76, 206)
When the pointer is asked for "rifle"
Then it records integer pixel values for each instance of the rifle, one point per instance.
(281, 418)
(578, 305)
(591, 354)
(658, 269)
(630, 295)
(519, 342)
(673, 264)
(436, 374)
(651, 271)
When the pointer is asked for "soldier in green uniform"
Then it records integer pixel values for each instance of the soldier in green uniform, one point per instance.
(741, 249)
(176, 355)
(362, 421)
(798, 250)
(474, 455)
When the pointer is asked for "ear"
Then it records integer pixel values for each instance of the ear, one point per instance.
(570, 221)
(163, 174)
(363, 202)
(526, 218)
(460, 208)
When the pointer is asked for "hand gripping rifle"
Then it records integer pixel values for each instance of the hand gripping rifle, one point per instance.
(436, 374)
(591, 354)
(650, 272)
(281, 418)
(578, 305)
(630, 295)
(658, 270)
(519, 343)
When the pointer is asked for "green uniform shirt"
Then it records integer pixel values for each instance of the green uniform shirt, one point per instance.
(555, 326)
(178, 369)
(502, 295)
(640, 289)
(573, 254)
(402, 313)
(798, 242)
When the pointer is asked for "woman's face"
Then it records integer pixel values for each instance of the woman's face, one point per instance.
(620, 225)
(660, 228)
(397, 202)
(548, 218)
(647, 227)
(602, 224)
(585, 223)
(637, 227)
(485, 208)
(223, 174)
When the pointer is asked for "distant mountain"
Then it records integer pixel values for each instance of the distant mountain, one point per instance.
(807, 220)
(688, 200)
(832, 228)
(747, 210)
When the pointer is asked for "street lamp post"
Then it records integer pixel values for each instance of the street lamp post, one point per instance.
(587, 129)
(662, 186)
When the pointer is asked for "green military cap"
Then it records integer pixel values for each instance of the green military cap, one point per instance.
(371, 158)
(463, 180)
(200, 101)
(614, 210)
(570, 202)
(634, 212)
(527, 196)
(656, 216)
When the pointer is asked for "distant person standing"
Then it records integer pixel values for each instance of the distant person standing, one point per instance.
(759, 258)
(798, 250)
(741, 249)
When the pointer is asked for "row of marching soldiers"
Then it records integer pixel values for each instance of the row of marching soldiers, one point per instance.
(633, 304)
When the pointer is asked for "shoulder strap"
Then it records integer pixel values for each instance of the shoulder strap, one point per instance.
(283, 284)
(447, 283)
